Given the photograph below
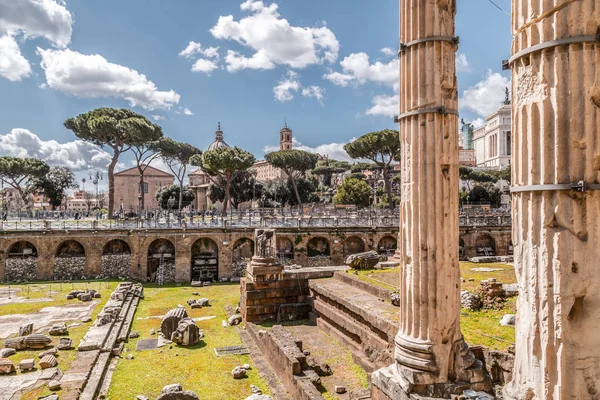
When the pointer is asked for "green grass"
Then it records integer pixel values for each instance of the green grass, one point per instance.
(57, 292)
(507, 275)
(483, 327)
(196, 368)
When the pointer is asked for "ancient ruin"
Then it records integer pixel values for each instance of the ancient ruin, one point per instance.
(556, 201)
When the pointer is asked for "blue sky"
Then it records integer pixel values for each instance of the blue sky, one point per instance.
(329, 78)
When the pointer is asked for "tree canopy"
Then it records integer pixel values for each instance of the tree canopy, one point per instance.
(174, 191)
(177, 156)
(244, 187)
(382, 148)
(354, 191)
(327, 168)
(53, 185)
(17, 171)
(222, 164)
(144, 142)
(110, 127)
(294, 163)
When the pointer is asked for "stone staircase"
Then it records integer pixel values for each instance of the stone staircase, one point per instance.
(362, 321)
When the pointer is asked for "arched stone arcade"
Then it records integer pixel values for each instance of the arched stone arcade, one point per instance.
(461, 248)
(205, 261)
(21, 262)
(243, 250)
(285, 250)
(387, 246)
(353, 245)
(318, 251)
(70, 261)
(116, 259)
(161, 252)
(485, 245)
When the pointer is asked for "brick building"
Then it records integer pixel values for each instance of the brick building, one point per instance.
(128, 190)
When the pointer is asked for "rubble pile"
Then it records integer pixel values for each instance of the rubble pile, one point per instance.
(169, 272)
(470, 301)
(69, 268)
(319, 261)
(116, 266)
(20, 269)
(239, 268)
(491, 294)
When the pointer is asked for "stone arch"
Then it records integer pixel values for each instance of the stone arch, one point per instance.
(21, 262)
(205, 260)
(387, 245)
(485, 245)
(510, 248)
(161, 251)
(285, 249)
(243, 250)
(353, 245)
(116, 246)
(69, 263)
(116, 259)
(461, 248)
(318, 246)
(70, 248)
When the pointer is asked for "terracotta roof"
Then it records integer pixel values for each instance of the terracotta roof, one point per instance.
(150, 171)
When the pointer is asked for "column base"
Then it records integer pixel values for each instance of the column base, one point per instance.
(402, 382)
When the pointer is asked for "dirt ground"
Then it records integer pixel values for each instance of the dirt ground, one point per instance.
(326, 349)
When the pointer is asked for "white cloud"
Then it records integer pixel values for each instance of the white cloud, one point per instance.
(358, 69)
(259, 60)
(13, 66)
(283, 91)
(384, 105)
(388, 51)
(195, 49)
(338, 78)
(477, 122)
(333, 150)
(206, 66)
(462, 64)
(158, 117)
(77, 155)
(37, 18)
(187, 111)
(315, 92)
(485, 96)
(273, 40)
(93, 76)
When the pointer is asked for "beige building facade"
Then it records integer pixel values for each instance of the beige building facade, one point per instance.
(492, 141)
(128, 190)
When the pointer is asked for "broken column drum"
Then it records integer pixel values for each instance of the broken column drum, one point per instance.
(432, 358)
(556, 230)
(170, 321)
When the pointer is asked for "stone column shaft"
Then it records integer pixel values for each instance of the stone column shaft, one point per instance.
(556, 234)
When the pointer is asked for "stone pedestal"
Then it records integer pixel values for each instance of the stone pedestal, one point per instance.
(432, 359)
(556, 233)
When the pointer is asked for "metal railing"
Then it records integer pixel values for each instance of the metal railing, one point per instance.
(383, 219)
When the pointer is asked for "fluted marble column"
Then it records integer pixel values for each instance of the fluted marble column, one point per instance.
(556, 140)
(431, 355)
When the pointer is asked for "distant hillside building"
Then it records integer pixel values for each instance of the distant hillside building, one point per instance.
(266, 172)
(128, 190)
(492, 141)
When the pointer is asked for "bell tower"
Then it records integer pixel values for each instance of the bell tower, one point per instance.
(285, 138)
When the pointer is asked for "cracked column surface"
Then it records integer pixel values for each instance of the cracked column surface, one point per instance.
(432, 358)
(556, 131)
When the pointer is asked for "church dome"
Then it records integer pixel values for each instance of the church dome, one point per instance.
(219, 143)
